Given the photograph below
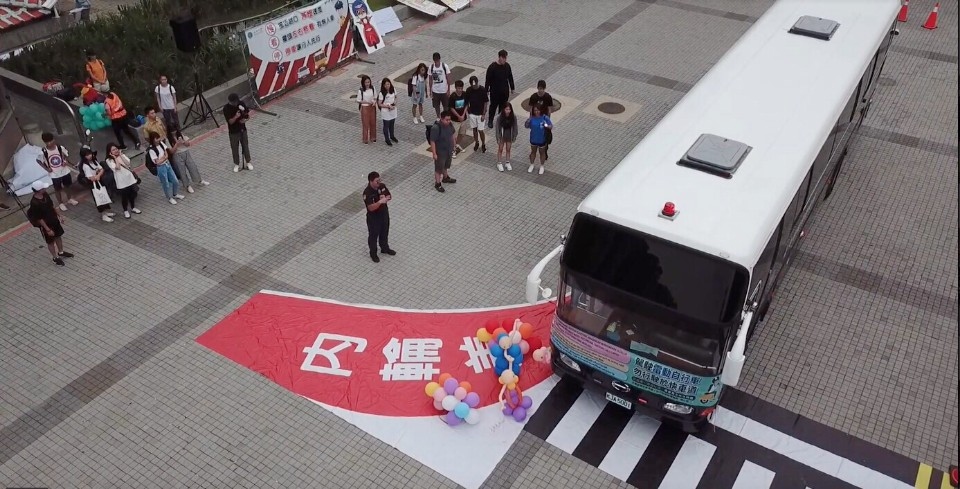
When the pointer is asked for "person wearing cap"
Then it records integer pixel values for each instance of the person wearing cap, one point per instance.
(44, 215)
(237, 114)
(375, 198)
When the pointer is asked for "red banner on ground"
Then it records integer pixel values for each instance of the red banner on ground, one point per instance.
(367, 359)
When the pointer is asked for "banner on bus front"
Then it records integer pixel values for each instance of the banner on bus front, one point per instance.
(299, 46)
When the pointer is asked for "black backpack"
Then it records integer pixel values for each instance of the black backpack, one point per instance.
(148, 161)
(430, 129)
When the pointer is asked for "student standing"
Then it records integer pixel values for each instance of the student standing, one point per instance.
(367, 99)
(458, 114)
(439, 82)
(94, 172)
(124, 178)
(166, 97)
(375, 198)
(540, 127)
(544, 101)
(42, 214)
(159, 152)
(120, 120)
(505, 129)
(387, 101)
(442, 136)
(476, 113)
(417, 91)
(499, 83)
(237, 114)
(54, 159)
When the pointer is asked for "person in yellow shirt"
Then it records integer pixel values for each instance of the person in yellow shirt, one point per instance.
(97, 72)
(184, 166)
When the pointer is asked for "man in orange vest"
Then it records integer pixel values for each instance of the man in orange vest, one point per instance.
(120, 120)
(97, 72)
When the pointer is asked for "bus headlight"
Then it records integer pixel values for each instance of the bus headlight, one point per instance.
(677, 408)
(569, 362)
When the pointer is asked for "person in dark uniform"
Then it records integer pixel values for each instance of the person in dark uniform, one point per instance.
(44, 215)
(375, 198)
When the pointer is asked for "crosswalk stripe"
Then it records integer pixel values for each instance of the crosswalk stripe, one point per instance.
(575, 424)
(600, 438)
(688, 466)
(625, 453)
(657, 458)
(753, 476)
(723, 469)
(553, 408)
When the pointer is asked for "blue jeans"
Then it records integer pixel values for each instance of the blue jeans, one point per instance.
(168, 180)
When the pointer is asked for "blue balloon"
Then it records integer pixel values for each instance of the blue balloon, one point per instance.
(514, 351)
(496, 351)
(499, 371)
(516, 369)
(462, 410)
(502, 335)
(501, 363)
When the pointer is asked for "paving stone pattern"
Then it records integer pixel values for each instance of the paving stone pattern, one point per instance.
(104, 386)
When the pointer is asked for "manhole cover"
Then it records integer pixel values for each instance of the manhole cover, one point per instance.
(611, 108)
(525, 104)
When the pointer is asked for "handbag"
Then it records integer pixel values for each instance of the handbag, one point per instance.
(100, 194)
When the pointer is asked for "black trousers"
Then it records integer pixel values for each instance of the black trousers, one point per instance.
(378, 231)
(497, 101)
(121, 126)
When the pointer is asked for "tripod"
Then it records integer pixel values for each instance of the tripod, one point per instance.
(5, 185)
(199, 108)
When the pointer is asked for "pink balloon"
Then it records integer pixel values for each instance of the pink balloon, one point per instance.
(472, 399)
(524, 347)
(450, 386)
(460, 393)
(439, 394)
(437, 405)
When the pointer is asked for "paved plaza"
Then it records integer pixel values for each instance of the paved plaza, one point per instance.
(104, 384)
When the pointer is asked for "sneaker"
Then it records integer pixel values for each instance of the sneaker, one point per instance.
(483, 148)
(72, 202)
(507, 165)
(236, 168)
(137, 146)
(135, 210)
(388, 251)
(173, 201)
(110, 214)
(249, 166)
(126, 214)
(541, 170)
(63, 207)
(394, 139)
(389, 143)
(499, 166)
(416, 120)
(189, 189)
(439, 188)
(476, 145)
(449, 180)
(204, 183)
(106, 218)
(374, 257)
(530, 168)
(180, 196)
(59, 261)
(422, 121)
(66, 254)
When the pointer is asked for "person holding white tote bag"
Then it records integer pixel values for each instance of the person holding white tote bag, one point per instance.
(126, 181)
(94, 172)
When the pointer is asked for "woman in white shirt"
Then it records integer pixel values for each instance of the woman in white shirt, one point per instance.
(125, 180)
(367, 98)
(387, 101)
(92, 169)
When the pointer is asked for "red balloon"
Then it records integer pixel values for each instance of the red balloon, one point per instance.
(535, 343)
(492, 325)
(507, 324)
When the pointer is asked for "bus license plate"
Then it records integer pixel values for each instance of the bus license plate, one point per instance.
(619, 401)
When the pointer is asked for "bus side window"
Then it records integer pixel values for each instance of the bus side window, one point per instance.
(793, 212)
(764, 267)
(820, 164)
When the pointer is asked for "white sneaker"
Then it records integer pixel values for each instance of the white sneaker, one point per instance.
(530, 169)
(236, 168)
(72, 202)
(63, 207)
(422, 121)
(249, 166)
(189, 189)
(110, 214)
(135, 210)
(126, 214)
(106, 218)
(204, 183)
(499, 166)
(541, 170)
(181, 196)
(416, 121)
(173, 201)
(509, 168)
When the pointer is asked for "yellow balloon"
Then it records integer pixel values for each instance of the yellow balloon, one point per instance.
(512, 386)
(431, 388)
(483, 335)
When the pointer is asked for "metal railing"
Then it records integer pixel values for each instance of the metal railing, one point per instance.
(57, 107)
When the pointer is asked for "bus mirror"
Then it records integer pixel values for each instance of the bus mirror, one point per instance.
(732, 369)
(533, 288)
(546, 292)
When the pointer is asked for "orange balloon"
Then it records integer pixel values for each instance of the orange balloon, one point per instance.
(466, 386)
(443, 378)
(526, 330)
(498, 331)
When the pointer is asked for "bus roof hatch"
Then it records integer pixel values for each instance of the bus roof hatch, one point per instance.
(715, 154)
(815, 27)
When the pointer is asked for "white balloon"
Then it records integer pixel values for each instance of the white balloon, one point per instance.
(473, 417)
(449, 403)
(515, 337)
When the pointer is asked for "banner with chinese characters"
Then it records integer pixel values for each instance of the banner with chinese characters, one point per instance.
(299, 46)
(368, 359)
(363, 18)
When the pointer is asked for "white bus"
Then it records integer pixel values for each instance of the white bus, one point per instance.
(673, 259)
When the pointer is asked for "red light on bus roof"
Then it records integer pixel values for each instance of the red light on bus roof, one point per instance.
(669, 209)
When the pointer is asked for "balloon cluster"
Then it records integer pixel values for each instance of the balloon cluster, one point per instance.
(507, 349)
(456, 398)
(95, 116)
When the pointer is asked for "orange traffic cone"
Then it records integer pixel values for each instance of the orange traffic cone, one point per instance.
(904, 9)
(931, 22)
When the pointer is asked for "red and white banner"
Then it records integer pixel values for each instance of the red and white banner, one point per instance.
(298, 46)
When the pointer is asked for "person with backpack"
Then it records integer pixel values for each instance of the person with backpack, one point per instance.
(458, 114)
(442, 137)
(541, 128)
(97, 73)
(158, 156)
(505, 129)
(439, 82)
(126, 181)
(166, 97)
(120, 120)
(55, 159)
(184, 167)
(541, 98)
(387, 101)
(417, 91)
(367, 101)
(43, 215)
(94, 172)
